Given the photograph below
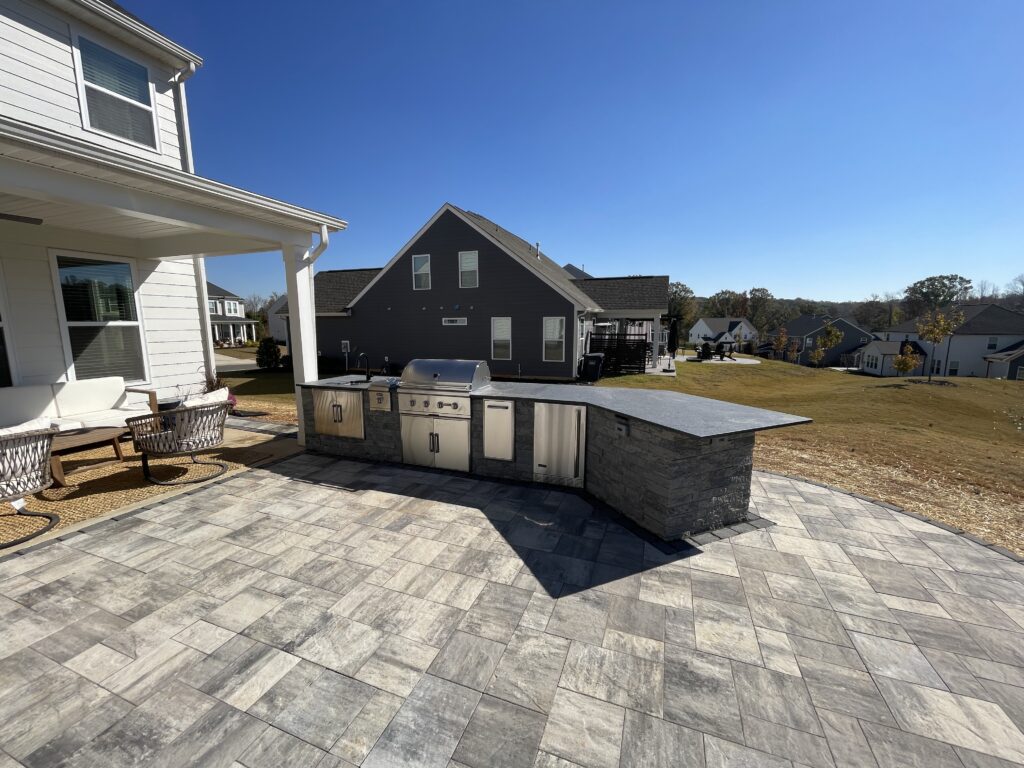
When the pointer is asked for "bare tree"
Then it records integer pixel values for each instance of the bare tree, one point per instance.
(985, 290)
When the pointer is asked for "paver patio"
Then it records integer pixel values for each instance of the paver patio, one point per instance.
(334, 613)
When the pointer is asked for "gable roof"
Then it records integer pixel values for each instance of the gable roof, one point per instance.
(513, 245)
(723, 324)
(217, 292)
(334, 289)
(803, 325)
(530, 256)
(979, 320)
(575, 272)
(619, 293)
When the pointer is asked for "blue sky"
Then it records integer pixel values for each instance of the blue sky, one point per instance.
(817, 148)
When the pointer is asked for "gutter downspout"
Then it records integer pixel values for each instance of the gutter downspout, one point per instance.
(181, 113)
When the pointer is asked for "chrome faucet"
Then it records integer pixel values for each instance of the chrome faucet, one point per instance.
(362, 356)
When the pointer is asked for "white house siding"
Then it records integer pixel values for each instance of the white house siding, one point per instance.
(167, 295)
(38, 83)
(970, 351)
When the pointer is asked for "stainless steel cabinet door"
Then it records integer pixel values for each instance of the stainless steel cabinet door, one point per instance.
(451, 444)
(418, 440)
(324, 412)
(350, 414)
(499, 429)
(559, 443)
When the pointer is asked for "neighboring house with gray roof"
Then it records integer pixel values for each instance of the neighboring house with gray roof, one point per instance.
(728, 330)
(985, 344)
(465, 287)
(228, 322)
(877, 357)
(805, 331)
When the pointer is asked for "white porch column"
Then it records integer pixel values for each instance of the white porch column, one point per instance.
(205, 326)
(298, 268)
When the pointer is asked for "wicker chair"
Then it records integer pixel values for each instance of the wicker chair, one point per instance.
(180, 432)
(25, 469)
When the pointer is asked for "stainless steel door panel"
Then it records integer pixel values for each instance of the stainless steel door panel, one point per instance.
(451, 444)
(349, 407)
(499, 429)
(559, 443)
(418, 440)
(324, 412)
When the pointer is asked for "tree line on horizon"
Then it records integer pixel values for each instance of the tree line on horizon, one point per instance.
(876, 313)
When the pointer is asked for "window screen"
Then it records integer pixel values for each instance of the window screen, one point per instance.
(421, 272)
(117, 94)
(469, 271)
(501, 338)
(554, 339)
(102, 319)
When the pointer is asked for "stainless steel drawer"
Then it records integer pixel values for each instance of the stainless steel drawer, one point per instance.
(499, 429)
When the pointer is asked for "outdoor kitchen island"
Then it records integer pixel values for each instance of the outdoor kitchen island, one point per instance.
(675, 464)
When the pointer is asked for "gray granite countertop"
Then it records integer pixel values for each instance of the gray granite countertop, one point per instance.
(688, 414)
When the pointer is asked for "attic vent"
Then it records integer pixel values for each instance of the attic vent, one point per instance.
(537, 245)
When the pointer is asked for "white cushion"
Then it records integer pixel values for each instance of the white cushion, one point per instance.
(76, 397)
(18, 404)
(217, 396)
(111, 417)
(65, 424)
(29, 426)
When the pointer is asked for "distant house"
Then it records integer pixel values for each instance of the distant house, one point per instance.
(987, 344)
(877, 357)
(277, 324)
(805, 331)
(228, 322)
(464, 287)
(730, 330)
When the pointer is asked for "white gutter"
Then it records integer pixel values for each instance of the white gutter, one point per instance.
(325, 238)
(137, 28)
(184, 133)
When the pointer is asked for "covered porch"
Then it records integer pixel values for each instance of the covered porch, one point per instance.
(102, 265)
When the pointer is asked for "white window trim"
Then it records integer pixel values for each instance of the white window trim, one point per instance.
(470, 287)
(430, 277)
(65, 337)
(5, 322)
(502, 317)
(544, 340)
(211, 306)
(76, 55)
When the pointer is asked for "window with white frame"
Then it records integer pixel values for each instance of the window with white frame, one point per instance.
(213, 307)
(231, 308)
(421, 272)
(554, 339)
(118, 96)
(954, 367)
(6, 378)
(501, 338)
(469, 269)
(101, 318)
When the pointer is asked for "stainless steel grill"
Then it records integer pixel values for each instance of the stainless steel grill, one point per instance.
(433, 399)
(445, 375)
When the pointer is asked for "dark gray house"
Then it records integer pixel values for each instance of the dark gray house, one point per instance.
(805, 330)
(464, 287)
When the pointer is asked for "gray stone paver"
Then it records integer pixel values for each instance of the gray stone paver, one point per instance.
(335, 613)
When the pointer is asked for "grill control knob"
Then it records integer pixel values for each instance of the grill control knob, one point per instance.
(426, 403)
(440, 404)
(455, 406)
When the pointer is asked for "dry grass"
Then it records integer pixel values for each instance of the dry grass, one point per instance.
(953, 453)
(265, 395)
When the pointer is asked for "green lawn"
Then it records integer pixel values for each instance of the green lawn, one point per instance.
(954, 452)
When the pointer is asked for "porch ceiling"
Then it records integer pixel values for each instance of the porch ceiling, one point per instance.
(76, 186)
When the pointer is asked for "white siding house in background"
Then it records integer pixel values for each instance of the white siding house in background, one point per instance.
(104, 226)
(983, 345)
(728, 330)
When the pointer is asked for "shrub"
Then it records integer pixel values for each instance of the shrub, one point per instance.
(269, 354)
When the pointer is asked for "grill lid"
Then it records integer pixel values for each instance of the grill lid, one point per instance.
(461, 375)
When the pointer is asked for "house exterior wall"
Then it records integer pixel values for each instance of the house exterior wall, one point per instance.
(391, 319)
(853, 338)
(969, 351)
(277, 325)
(873, 362)
(168, 301)
(39, 84)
